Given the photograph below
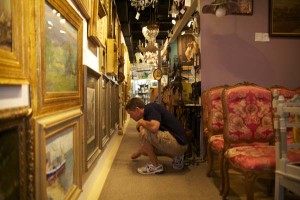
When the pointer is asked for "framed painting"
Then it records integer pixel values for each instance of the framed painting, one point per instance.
(284, 19)
(13, 68)
(58, 155)
(84, 7)
(244, 7)
(91, 116)
(16, 154)
(60, 57)
(96, 23)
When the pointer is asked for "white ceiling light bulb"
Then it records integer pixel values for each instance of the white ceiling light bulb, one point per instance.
(137, 16)
(173, 21)
(221, 11)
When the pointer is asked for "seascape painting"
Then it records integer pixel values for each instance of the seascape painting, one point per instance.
(59, 164)
(6, 25)
(9, 164)
(61, 53)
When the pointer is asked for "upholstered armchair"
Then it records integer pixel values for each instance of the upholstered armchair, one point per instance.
(215, 141)
(248, 135)
(204, 120)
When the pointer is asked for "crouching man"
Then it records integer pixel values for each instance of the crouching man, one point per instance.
(161, 134)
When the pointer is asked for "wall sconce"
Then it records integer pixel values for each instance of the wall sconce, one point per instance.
(220, 8)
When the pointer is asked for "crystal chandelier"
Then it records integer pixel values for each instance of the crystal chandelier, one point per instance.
(142, 4)
(150, 33)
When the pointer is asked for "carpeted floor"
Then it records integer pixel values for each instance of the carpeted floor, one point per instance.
(123, 182)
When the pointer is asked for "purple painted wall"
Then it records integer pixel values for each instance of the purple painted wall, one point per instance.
(230, 54)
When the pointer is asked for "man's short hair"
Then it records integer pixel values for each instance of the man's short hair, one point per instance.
(135, 103)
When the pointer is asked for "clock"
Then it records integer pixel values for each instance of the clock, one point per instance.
(157, 74)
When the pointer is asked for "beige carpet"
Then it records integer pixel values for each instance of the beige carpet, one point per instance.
(123, 182)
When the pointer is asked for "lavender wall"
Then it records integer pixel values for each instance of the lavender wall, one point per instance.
(230, 54)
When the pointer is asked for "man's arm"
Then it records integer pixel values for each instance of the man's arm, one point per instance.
(151, 125)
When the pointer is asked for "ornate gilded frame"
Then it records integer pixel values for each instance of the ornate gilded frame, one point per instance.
(16, 153)
(59, 57)
(13, 42)
(91, 117)
(60, 133)
(85, 7)
(96, 24)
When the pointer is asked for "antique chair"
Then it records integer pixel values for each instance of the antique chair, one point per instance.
(287, 94)
(248, 135)
(204, 119)
(215, 141)
(287, 154)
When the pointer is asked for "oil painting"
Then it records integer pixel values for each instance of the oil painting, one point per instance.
(5, 25)
(244, 7)
(16, 154)
(284, 18)
(59, 164)
(60, 52)
(59, 57)
(58, 155)
(14, 49)
(91, 107)
(9, 164)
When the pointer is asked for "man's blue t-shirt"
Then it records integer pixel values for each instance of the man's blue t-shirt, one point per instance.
(168, 122)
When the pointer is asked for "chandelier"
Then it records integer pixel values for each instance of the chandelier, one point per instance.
(142, 4)
(150, 33)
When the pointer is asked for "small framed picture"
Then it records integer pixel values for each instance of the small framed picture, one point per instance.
(244, 7)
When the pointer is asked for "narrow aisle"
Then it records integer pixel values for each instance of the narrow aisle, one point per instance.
(123, 181)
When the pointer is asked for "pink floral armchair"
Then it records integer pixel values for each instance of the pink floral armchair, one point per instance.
(205, 119)
(215, 140)
(248, 135)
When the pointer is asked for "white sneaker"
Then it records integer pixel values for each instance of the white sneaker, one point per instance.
(151, 169)
(178, 162)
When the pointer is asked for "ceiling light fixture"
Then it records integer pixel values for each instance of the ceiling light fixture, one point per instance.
(174, 11)
(141, 5)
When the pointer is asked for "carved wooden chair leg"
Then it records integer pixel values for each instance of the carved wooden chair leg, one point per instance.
(250, 178)
(225, 181)
(210, 161)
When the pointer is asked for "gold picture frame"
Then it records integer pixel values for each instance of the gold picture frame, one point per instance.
(13, 42)
(85, 7)
(58, 155)
(59, 76)
(91, 117)
(96, 23)
(16, 154)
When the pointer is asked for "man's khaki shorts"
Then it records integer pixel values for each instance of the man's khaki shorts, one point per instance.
(164, 143)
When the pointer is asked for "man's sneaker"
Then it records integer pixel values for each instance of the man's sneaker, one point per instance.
(151, 169)
(178, 162)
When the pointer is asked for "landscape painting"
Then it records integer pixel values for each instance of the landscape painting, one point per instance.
(285, 18)
(5, 25)
(60, 53)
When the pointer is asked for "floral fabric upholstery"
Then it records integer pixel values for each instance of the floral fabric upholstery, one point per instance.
(249, 113)
(216, 142)
(215, 117)
(205, 111)
(252, 157)
(257, 157)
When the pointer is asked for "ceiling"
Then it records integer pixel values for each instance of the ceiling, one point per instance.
(132, 28)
